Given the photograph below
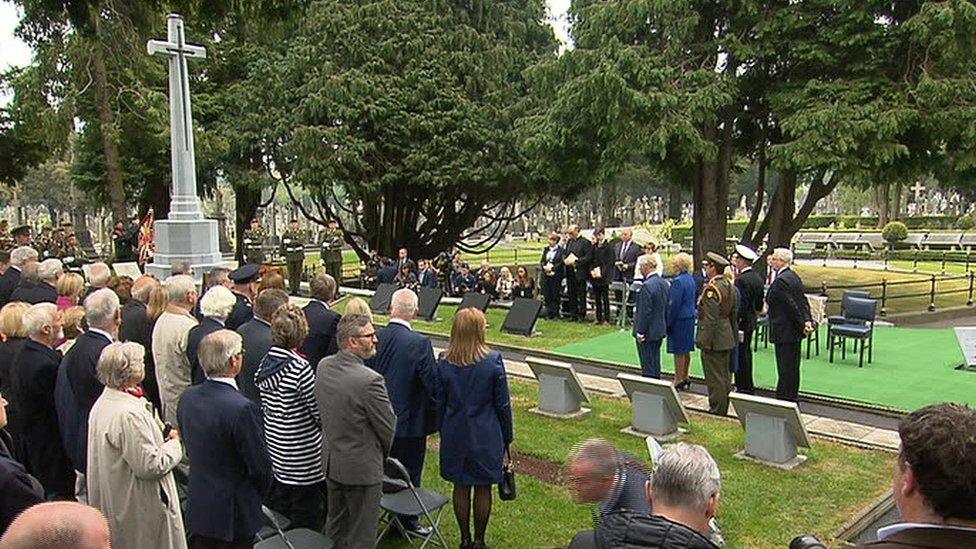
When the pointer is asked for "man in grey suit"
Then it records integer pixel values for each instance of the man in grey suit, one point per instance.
(257, 338)
(358, 425)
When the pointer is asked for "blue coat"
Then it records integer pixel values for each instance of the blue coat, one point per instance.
(650, 320)
(405, 359)
(79, 365)
(476, 420)
(683, 298)
(321, 340)
(206, 327)
(427, 278)
(231, 470)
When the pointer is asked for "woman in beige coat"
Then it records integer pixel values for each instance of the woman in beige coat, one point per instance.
(130, 461)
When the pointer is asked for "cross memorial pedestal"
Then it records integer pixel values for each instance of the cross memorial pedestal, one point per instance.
(185, 235)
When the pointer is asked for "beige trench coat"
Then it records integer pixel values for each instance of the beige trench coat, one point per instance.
(130, 475)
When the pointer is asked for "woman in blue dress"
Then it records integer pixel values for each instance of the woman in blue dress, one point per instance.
(681, 318)
(476, 422)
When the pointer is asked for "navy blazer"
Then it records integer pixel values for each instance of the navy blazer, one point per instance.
(558, 267)
(79, 365)
(321, 340)
(231, 470)
(788, 308)
(427, 278)
(206, 327)
(405, 359)
(625, 273)
(750, 286)
(9, 281)
(41, 292)
(257, 341)
(241, 313)
(650, 320)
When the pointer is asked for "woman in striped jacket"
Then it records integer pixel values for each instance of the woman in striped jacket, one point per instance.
(292, 428)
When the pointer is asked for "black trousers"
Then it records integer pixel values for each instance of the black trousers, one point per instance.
(303, 505)
(601, 295)
(551, 288)
(743, 376)
(576, 291)
(788, 368)
(410, 451)
(203, 542)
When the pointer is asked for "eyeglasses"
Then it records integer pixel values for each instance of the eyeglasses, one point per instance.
(371, 334)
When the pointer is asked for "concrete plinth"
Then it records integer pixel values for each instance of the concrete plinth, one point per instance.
(768, 440)
(193, 240)
(557, 398)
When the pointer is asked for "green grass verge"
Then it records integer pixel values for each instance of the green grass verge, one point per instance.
(760, 507)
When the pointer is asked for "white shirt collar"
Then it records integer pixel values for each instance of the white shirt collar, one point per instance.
(16, 268)
(228, 380)
(324, 304)
(261, 320)
(888, 531)
(217, 320)
(401, 322)
(102, 332)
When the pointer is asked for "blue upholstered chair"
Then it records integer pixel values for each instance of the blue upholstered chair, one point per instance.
(858, 325)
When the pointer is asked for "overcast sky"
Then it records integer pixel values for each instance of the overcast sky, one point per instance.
(13, 52)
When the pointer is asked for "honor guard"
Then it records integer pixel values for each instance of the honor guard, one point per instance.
(331, 253)
(718, 310)
(254, 239)
(293, 248)
(6, 240)
(73, 256)
(245, 281)
(22, 236)
(43, 243)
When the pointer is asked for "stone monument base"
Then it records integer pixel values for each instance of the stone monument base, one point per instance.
(192, 240)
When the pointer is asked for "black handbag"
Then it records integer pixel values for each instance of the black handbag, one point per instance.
(506, 488)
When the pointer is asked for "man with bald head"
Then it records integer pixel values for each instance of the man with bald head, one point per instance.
(57, 525)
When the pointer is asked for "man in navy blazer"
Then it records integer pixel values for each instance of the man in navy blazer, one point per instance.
(257, 339)
(405, 359)
(789, 322)
(426, 276)
(322, 321)
(625, 254)
(215, 307)
(224, 438)
(650, 321)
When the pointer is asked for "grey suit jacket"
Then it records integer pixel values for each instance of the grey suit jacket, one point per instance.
(358, 422)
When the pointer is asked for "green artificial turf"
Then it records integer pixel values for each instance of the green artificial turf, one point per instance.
(760, 507)
(911, 367)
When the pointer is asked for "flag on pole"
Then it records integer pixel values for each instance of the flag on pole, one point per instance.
(147, 238)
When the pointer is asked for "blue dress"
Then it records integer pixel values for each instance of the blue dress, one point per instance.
(681, 315)
(476, 420)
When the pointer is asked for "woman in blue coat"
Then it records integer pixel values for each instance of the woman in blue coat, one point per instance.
(476, 422)
(681, 318)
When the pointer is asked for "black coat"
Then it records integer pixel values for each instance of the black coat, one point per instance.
(321, 340)
(8, 352)
(750, 285)
(241, 313)
(231, 473)
(787, 308)
(558, 267)
(583, 249)
(8, 283)
(626, 271)
(257, 340)
(627, 530)
(35, 374)
(206, 327)
(41, 292)
(79, 365)
(137, 327)
(18, 489)
(603, 258)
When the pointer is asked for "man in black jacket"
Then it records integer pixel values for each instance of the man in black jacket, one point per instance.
(137, 327)
(257, 339)
(750, 286)
(18, 489)
(789, 322)
(44, 289)
(19, 258)
(322, 321)
(684, 492)
(579, 252)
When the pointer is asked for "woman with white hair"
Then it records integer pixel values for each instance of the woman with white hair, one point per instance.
(215, 307)
(131, 457)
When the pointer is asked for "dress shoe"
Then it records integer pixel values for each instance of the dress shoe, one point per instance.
(419, 530)
(683, 386)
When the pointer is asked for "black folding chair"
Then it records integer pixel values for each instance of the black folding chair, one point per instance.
(299, 538)
(272, 525)
(401, 497)
(860, 314)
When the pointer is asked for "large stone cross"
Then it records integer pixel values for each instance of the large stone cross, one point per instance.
(919, 190)
(184, 202)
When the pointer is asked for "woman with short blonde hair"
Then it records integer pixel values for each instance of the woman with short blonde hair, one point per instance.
(681, 318)
(358, 306)
(476, 422)
(14, 334)
(72, 320)
(69, 286)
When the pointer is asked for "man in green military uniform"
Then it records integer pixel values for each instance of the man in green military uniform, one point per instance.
(72, 255)
(43, 243)
(718, 311)
(331, 253)
(293, 248)
(254, 239)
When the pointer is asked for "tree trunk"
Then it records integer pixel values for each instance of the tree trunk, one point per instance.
(896, 209)
(882, 194)
(675, 201)
(609, 192)
(110, 149)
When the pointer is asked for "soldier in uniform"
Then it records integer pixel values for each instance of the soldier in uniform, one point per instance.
(331, 253)
(718, 313)
(22, 236)
(245, 289)
(72, 255)
(293, 248)
(6, 241)
(253, 243)
(43, 243)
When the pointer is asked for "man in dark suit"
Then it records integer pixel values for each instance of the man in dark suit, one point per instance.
(404, 259)
(19, 258)
(650, 321)
(322, 321)
(103, 315)
(750, 286)
(215, 306)
(789, 322)
(257, 339)
(44, 289)
(33, 378)
(137, 327)
(426, 276)
(245, 289)
(552, 271)
(579, 251)
(934, 487)
(625, 254)
(224, 439)
(358, 425)
(405, 359)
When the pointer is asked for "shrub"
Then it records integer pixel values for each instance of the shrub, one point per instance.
(896, 231)
(965, 222)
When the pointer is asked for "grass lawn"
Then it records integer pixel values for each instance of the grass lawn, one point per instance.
(760, 507)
